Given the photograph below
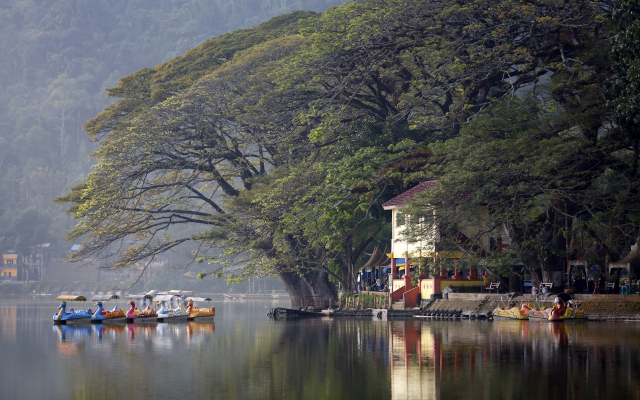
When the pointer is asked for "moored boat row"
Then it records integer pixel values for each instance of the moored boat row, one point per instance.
(169, 310)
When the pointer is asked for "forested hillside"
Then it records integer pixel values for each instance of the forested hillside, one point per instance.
(57, 57)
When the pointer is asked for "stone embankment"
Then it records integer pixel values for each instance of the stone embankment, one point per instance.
(380, 313)
(598, 307)
(478, 305)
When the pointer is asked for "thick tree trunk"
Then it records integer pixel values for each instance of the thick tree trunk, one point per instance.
(514, 281)
(311, 284)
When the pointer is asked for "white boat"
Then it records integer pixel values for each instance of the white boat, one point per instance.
(170, 308)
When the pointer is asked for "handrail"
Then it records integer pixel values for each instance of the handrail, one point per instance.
(411, 297)
(397, 294)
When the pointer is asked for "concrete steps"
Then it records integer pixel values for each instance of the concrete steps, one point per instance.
(398, 305)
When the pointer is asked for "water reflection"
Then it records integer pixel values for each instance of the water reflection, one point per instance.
(161, 335)
(243, 355)
(515, 360)
(8, 316)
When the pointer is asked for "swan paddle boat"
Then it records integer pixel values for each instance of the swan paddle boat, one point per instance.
(510, 312)
(71, 317)
(167, 313)
(196, 313)
(102, 316)
(508, 309)
(148, 315)
(565, 308)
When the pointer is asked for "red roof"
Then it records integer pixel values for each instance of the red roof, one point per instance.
(410, 194)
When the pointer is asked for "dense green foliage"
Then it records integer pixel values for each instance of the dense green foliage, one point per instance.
(59, 57)
(283, 153)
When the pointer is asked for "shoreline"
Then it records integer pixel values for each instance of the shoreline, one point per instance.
(601, 307)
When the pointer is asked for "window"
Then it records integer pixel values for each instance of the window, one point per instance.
(400, 219)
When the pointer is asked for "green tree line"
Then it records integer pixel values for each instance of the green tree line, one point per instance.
(283, 152)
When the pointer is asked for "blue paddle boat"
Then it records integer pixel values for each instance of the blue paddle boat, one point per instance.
(63, 317)
(102, 315)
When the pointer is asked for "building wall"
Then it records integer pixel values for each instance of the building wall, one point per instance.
(9, 273)
(435, 286)
(426, 246)
(9, 259)
(9, 269)
(400, 246)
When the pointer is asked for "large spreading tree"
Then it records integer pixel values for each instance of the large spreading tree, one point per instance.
(282, 147)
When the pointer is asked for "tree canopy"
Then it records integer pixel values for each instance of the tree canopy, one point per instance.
(284, 151)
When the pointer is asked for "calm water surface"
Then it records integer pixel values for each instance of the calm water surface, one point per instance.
(243, 355)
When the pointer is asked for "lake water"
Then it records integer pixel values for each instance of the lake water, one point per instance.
(243, 355)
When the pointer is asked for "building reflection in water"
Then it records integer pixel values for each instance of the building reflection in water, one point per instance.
(8, 320)
(414, 353)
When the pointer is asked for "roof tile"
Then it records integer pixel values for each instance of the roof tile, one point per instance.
(410, 194)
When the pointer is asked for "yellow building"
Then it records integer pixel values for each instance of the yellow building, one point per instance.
(9, 267)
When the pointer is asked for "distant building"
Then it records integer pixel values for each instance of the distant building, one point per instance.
(9, 268)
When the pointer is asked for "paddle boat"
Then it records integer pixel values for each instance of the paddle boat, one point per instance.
(117, 315)
(507, 310)
(512, 313)
(64, 317)
(166, 313)
(199, 313)
(565, 308)
(537, 312)
(140, 316)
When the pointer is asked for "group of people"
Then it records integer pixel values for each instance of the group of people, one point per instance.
(539, 292)
(371, 285)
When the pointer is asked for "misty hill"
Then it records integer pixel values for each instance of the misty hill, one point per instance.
(59, 57)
